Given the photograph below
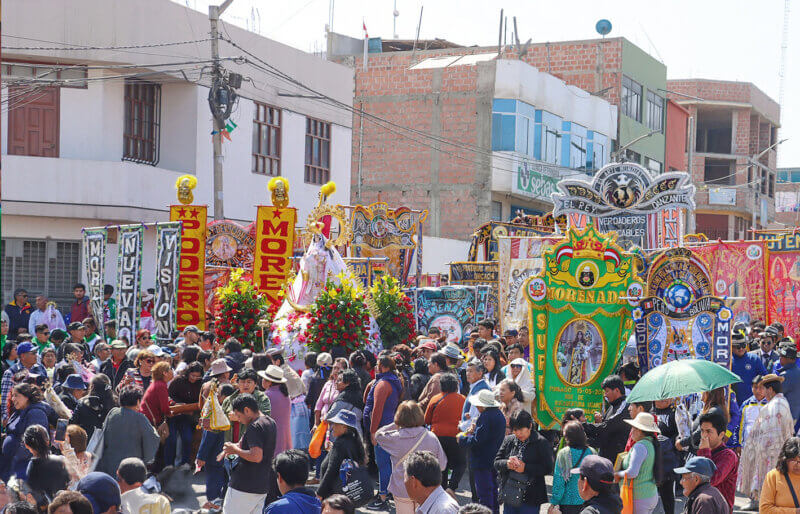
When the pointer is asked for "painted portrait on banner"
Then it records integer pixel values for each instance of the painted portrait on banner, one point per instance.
(580, 352)
(451, 309)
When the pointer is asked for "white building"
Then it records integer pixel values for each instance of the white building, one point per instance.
(73, 158)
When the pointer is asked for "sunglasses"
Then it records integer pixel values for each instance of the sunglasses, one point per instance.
(149, 361)
(46, 333)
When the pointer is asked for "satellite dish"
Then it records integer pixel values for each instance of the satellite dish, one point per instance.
(603, 27)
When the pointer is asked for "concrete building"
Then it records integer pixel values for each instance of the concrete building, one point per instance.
(484, 121)
(734, 157)
(676, 137)
(73, 156)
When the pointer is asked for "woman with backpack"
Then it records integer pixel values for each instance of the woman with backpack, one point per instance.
(642, 466)
(346, 445)
(565, 484)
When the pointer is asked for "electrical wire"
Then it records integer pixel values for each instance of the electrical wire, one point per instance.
(115, 49)
(74, 47)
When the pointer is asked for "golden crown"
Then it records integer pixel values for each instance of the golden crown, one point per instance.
(588, 248)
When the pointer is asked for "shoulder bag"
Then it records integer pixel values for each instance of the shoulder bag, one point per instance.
(791, 490)
(162, 428)
(516, 484)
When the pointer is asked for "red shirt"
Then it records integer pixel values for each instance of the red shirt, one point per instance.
(727, 471)
(155, 403)
(80, 310)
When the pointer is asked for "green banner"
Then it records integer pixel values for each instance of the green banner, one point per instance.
(580, 319)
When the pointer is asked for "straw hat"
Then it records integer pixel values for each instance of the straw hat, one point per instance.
(772, 377)
(645, 422)
(273, 374)
(484, 398)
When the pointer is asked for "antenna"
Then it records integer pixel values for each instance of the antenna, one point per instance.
(603, 27)
(395, 14)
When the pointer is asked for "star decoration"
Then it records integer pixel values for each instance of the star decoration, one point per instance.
(276, 213)
(182, 212)
(195, 213)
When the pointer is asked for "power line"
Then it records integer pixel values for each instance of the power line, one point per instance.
(74, 47)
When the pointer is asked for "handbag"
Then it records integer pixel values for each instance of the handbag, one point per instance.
(514, 488)
(626, 493)
(162, 429)
(356, 483)
(318, 439)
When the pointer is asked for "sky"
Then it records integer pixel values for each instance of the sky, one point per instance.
(712, 39)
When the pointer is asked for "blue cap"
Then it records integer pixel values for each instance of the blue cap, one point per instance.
(700, 465)
(25, 348)
(74, 381)
(101, 490)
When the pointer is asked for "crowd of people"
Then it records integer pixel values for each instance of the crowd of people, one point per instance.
(100, 425)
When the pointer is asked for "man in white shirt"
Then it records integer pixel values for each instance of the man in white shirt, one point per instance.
(52, 319)
(130, 475)
(423, 481)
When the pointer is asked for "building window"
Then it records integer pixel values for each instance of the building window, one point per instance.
(631, 99)
(41, 266)
(72, 76)
(497, 211)
(654, 166)
(503, 132)
(655, 112)
(142, 122)
(318, 151)
(632, 156)
(267, 140)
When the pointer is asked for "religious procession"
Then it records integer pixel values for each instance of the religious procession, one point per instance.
(394, 275)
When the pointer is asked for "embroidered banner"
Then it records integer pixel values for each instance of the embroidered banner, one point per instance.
(670, 234)
(519, 258)
(129, 280)
(485, 303)
(450, 308)
(168, 254)
(473, 273)
(580, 321)
(274, 247)
(229, 244)
(679, 318)
(94, 248)
(191, 291)
(738, 270)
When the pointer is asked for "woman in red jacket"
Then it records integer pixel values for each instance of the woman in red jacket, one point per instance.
(155, 404)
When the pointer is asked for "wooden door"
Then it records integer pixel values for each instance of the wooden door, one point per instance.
(33, 122)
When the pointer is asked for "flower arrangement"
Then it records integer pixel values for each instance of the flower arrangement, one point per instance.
(339, 317)
(396, 316)
(241, 306)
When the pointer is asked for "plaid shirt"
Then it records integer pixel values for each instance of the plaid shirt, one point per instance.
(8, 382)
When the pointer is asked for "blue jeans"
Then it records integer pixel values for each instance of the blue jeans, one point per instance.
(318, 463)
(522, 509)
(183, 427)
(216, 479)
(486, 487)
(384, 462)
(301, 431)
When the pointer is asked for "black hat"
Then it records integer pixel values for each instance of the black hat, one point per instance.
(757, 379)
(75, 325)
(771, 331)
(738, 339)
(788, 351)
(777, 325)
(597, 470)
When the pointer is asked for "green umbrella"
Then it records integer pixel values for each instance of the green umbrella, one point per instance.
(679, 378)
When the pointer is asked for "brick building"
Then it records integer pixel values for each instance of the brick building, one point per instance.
(733, 164)
(787, 198)
(469, 117)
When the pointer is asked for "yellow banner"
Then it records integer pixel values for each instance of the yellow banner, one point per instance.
(274, 244)
(191, 293)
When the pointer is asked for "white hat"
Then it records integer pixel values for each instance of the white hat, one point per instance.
(519, 361)
(273, 374)
(645, 422)
(484, 398)
(324, 359)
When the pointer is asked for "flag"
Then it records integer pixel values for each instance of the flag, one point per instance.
(364, 24)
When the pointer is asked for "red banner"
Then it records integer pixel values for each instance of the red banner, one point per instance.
(738, 269)
(274, 246)
(784, 291)
(191, 277)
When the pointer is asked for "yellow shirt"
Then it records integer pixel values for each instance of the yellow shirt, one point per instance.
(776, 498)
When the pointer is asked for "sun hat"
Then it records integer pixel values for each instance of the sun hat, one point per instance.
(273, 374)
(74, 381)
(272, 352)
(645, 422)
(324, 359)
(700, 465)
(484, 398)
(345, 417)
(772, 377)
(117, 344)
(452, 351)
(519, 361)
(218, 367)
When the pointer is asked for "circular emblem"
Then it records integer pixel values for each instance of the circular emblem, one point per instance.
(654, 347)
(224, 247)
(587, 274)
(754, 252)
(378, 227)
(748, 366)
(656, 320)
(725, 314)
(704, 320)
(449, 326)
(701, 348)
(537, 289)
(678, 295)
(720, 286)
(635, 291)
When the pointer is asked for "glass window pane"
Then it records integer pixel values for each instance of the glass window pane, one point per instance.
(308, 149)
(315, 156)
(255, 138)
(264, 140)
(326, 148)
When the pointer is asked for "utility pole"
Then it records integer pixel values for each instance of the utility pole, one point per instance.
(214, 13)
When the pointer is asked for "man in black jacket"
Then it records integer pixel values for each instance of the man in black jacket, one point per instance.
(609, 432)
(595, 486)
(116, 365)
